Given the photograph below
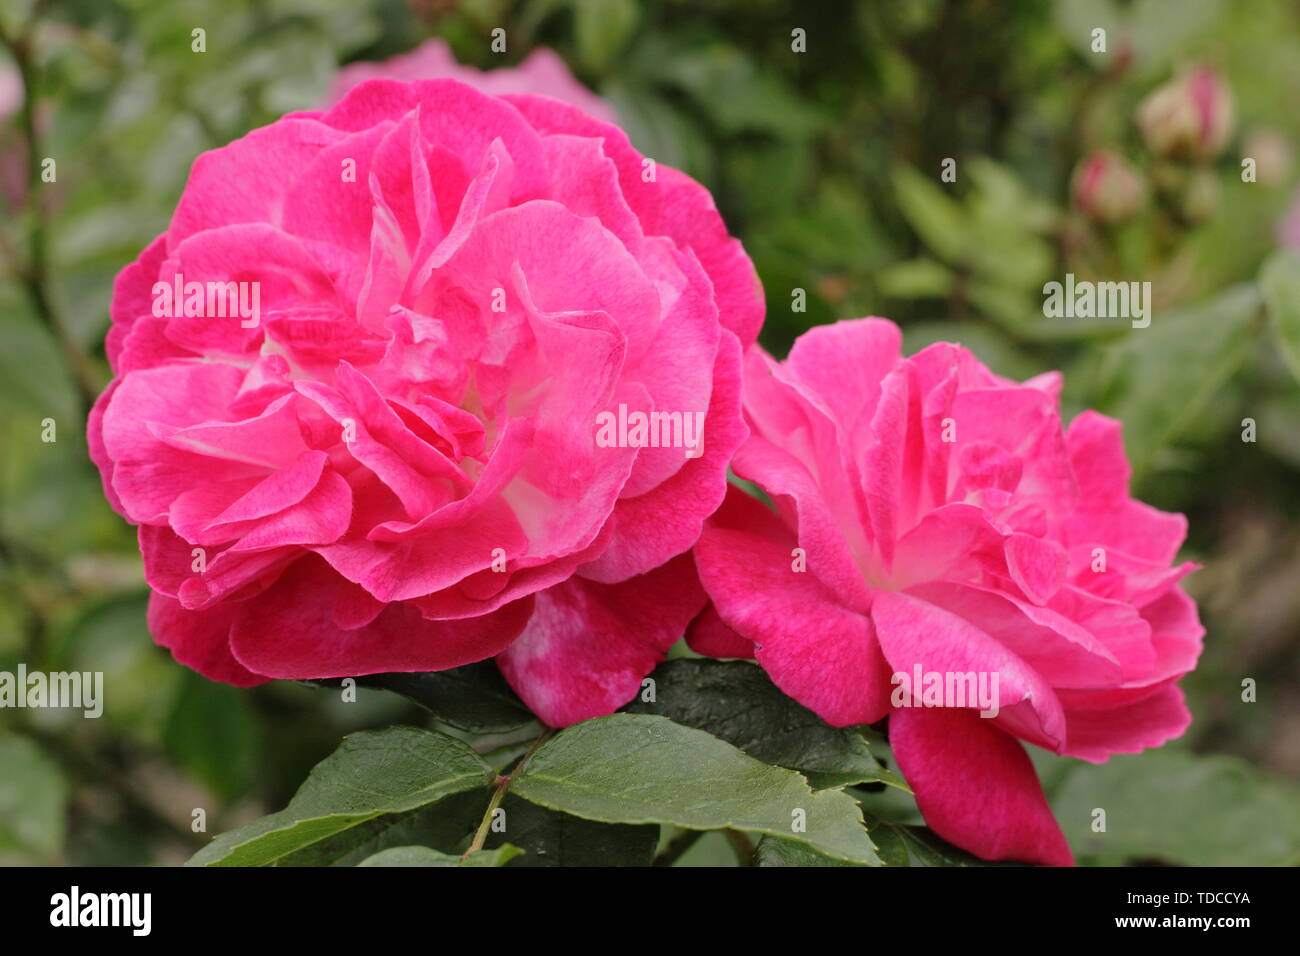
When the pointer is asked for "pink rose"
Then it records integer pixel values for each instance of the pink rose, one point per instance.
(949, 526)
(542, 73)
(377, 449)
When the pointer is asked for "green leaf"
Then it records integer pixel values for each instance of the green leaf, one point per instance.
(33, 377)
(1162, 377)
(915, 279)
(938, 219)
(423, 856)
(33, 800)
(756, 100)
(1226, 813)
(548, 838)
(601, 28)
(778, 851)
(371, 774)
(447, 826)
(917, 846)
(1279, 281)
(737, 702)
(212, 732)
(637, 768)
(475, 698)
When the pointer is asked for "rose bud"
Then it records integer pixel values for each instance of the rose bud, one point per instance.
(1106, 188)
(1188, 118)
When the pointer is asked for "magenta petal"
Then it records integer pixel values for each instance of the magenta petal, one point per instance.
(588, 646)
(244, 181)
(199, 639)
(821, 533)
(95, 442)
(914, 634)
(1037, 565)
(1063, 652)
(1096, 734)
(673, 205)
(975, 786)
(666, 520)
(845, 363)
(293, 630)
(816, 649)
(710, 635)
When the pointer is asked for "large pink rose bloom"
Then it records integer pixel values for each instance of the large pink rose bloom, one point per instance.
(949, 524)
(397, 468)
(542, 73)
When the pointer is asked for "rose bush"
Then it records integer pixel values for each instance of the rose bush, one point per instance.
(949, 523)
(394, 466)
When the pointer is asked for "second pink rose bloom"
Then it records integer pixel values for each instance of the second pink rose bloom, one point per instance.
(934, 518)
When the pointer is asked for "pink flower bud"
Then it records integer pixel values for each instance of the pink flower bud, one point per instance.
(1106, 188)
(1189, 117)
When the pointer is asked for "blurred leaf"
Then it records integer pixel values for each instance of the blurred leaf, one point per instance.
(662, 132)
(33, 801)
(1279, 427)
(601, 28)
(937, 218)
(211, 732)
(1279, 281)
(737, 702)
(371, 774)
(1164, 30)
(1161, 377)
(1000, 193)
(33, 378)
(1224, 813)
(633, 768)
(915, 279)
(725, 84)
(110, 635)
(1155, 31)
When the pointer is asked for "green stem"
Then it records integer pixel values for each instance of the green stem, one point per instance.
(742, 845)
(499, 794)
(677, 847)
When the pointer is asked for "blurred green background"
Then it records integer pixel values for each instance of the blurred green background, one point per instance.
(826, 163)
